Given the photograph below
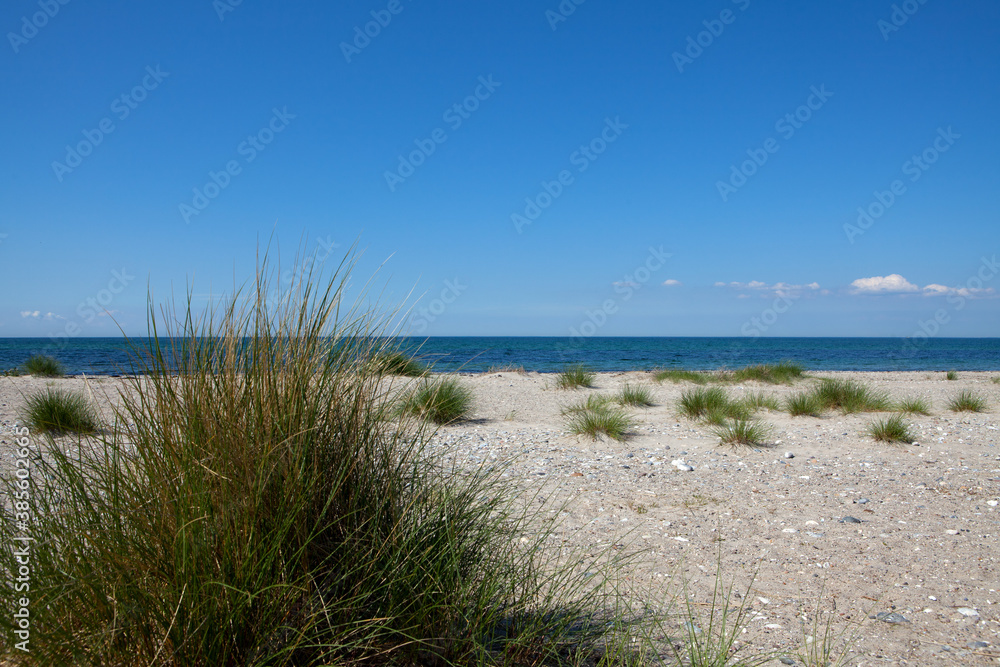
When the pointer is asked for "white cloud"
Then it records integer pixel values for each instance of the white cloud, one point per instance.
(897, 284)
(968, 292)
(37, 315)
(672, 283)
(891, 284)
(779, 288)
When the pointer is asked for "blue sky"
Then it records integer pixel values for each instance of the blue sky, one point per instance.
(720, 168)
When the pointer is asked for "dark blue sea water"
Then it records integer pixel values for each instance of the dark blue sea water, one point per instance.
(546, 354)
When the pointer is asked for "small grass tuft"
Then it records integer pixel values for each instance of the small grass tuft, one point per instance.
(681, 376)
(805, 403)
(996, 380)
(713, 406)
(758, 400)
(440, 401)
(399, 363)
(696, 403)
(710, 638)
(967, 401)
(11, 372)
(784, 373)
(43, 366)
(749, 432)
(605, 420)
(632, 395)
(914, 405)
(56, 411)
(575, 377)
(507, 368)
(891, 429)
(951, 375)
(593, 403)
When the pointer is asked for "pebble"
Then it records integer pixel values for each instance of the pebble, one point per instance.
(785, 660)
(850, 519)
(978, 644)
(991, 503)
(680, 465)
(789, 455)
(891, 617)
(861, 501)
(967, 611)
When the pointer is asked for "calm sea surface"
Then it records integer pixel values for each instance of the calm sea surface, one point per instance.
(546, 354)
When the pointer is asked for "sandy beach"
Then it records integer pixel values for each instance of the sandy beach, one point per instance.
(908, 532)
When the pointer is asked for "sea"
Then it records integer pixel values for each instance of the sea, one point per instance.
(475, 354)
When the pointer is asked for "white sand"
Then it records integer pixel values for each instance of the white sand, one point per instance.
(928, 543)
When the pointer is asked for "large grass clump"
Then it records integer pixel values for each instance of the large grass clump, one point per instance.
(43, 366)
(57, 412)
(257, 503)
(575, 377)
(396, 362)
(847, 396)
(891, 429)
(967, 401)
(850, 397)
(442, 401)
